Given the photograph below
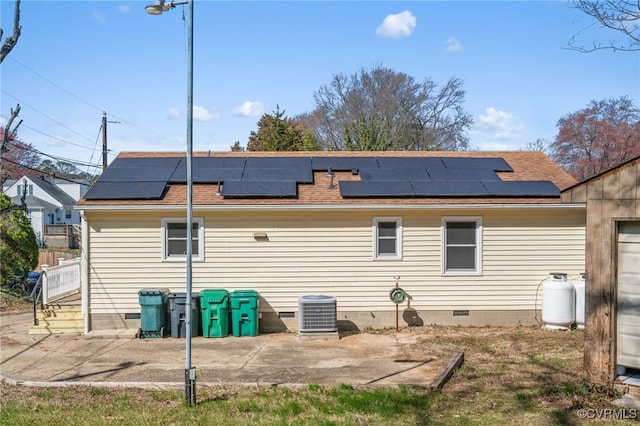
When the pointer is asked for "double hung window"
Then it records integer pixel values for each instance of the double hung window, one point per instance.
(461, 246)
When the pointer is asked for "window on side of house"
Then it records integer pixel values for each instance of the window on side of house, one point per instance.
(20, 189)
(461, 245)
(174, 239)
(387, 236)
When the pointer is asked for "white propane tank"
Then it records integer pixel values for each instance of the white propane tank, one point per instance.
(558, 302)
(579, 285)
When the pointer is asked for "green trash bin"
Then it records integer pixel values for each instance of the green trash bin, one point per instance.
(244, 312)
(215, 312)
(153, 312)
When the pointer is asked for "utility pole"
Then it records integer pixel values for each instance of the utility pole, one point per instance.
(104, 139)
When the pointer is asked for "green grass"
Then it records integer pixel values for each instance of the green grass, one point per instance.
(510, 376)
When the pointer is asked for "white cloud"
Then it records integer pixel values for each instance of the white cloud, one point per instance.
(496, 130)
(453, 44)
(398, 25)
(123, 8)
(100, 17)
(174, 113)
(250, 109)
(493, 146)
(498, 124)
(203, 114)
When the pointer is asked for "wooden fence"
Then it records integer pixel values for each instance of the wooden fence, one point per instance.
(52, 258)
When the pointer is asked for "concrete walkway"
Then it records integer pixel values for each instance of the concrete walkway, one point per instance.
(119, 359)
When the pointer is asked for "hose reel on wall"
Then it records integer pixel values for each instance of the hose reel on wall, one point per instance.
(398, 296)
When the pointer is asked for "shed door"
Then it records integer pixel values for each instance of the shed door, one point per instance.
(628, 309)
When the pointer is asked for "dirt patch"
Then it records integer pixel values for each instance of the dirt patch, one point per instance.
(11, 303)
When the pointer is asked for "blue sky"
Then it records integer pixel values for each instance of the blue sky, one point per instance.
(76, 59)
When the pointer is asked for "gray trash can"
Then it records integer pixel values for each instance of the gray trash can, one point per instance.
(178, 310)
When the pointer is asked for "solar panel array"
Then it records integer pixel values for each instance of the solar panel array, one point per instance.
(279, 177)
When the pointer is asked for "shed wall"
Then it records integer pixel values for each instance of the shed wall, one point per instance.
(611, 198)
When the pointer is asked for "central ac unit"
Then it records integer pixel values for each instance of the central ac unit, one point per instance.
(317, 313)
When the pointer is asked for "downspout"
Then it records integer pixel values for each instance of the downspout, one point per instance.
(84, 272)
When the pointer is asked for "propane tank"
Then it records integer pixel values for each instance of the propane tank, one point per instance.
(558, 302)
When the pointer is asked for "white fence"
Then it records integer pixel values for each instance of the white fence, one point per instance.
(62, 280)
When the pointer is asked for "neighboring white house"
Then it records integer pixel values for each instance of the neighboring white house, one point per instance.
(470, 235)
(49, 203)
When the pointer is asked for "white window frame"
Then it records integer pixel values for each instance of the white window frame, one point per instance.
(20, 189)
(398, 252)
(200, 236)
(478, 245)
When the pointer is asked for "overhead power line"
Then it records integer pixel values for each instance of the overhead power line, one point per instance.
(46, 116)
(151, 132)
(55, 157)
(54, 84)
(58, 138)
(42, 172)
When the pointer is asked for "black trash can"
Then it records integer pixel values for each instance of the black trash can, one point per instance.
(178, 310)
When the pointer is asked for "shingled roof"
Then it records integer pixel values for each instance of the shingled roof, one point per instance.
(328, 178)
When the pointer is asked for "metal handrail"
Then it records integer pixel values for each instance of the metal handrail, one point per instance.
(37, 292)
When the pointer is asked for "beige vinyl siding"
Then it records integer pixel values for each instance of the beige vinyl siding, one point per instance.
(331, 252)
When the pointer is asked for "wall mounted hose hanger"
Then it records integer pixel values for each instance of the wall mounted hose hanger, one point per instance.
(398, 295)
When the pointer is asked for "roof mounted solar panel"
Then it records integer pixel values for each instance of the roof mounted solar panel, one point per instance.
(394, 174)
(449, 189)
(257, 189)
(410, 162)
(539, 188)
(136, 174)
(218, 162)
(278, 162)
(457, 174)
(495, 163)
(125, 191)
(372, 188)
(300, 175)
(143, 162)
(209, 169)
(206, 175)
(338, 164)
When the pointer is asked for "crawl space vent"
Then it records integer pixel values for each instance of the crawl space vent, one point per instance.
(317, 313)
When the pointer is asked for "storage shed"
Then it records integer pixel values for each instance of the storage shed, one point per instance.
(612, 324)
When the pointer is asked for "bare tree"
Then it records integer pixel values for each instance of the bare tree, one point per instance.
(10, 42)
(621, 16)
(9, 132)
(543, 145)
(381, 109)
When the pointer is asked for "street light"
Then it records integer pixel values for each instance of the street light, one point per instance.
(189, 372)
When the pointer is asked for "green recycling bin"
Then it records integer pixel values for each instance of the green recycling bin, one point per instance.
(153, 312)
(244, 312)
(215, 312)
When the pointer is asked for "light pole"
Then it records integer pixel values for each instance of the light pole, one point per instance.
(189, 371)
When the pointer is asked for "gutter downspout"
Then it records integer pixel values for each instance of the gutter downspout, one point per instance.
(84, 272)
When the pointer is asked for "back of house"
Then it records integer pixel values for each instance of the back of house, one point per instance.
(467, 236)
